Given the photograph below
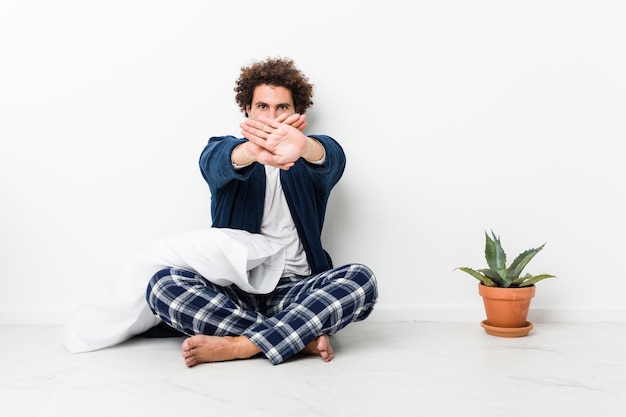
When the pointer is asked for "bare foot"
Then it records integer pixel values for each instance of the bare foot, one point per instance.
(202, 348)
(320, 346)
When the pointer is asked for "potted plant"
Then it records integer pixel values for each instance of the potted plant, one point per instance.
(506, 292)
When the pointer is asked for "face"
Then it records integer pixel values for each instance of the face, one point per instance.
(270, 101)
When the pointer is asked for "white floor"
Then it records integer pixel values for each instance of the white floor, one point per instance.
(380, 369)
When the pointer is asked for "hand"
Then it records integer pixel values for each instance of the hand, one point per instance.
(279, 142)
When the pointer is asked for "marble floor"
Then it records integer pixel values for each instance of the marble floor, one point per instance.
(380, 369)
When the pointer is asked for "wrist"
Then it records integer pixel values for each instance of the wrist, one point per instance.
(240, 157)
(314, 151)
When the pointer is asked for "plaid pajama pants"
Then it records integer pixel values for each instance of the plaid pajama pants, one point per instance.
(280, 323)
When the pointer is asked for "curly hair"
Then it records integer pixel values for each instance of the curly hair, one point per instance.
(279, 72)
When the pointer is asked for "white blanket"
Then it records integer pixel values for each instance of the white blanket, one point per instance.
(118, 311)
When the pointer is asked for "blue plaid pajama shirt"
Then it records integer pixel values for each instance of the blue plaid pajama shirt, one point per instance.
(280, 323)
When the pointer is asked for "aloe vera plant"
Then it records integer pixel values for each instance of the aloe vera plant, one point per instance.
(498, 275)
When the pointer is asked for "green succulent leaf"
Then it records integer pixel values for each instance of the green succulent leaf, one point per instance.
(490, 273)
(529, 280)
(494, 254)
(493, 276)
(519, 281)
(503, 276)
(521, 261)
(485, 280)
(490, 252)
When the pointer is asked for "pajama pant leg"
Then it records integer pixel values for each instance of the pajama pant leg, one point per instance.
(302, 309)
(189, 303)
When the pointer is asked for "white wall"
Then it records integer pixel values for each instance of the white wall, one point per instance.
(457, 117)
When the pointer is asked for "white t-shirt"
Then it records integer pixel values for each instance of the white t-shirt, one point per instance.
(278, 226)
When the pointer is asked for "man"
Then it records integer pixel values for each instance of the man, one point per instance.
(269, 191)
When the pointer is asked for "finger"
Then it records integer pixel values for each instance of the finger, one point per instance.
(286, 166)
(259, 130)
(260, 127)
(282, 118)
(300, 124)
(293, 120)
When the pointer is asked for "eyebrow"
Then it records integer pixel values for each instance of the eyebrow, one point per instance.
(259, 103)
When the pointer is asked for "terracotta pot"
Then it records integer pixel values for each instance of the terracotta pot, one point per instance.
(506, 307)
